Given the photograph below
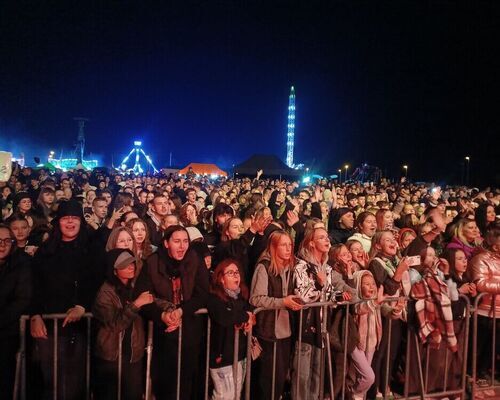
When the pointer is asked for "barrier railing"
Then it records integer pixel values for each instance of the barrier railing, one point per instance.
(490, 311)
(326, 356)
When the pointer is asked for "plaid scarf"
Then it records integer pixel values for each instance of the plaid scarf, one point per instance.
(433, 308)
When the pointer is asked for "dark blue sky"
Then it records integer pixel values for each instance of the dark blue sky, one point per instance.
(384, 82)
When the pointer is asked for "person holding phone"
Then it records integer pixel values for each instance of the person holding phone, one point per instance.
(391, 273)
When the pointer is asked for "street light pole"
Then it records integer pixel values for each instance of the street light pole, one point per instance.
(340, 176)
(406, 170)
(467, 170)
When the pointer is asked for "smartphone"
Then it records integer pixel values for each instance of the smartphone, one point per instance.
(87, 210)
(413, 260)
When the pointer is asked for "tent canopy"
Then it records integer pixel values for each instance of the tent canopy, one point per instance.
(270, 164)
(203, 169)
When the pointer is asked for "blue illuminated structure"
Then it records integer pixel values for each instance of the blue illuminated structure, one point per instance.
(290, 136)
(137, 168)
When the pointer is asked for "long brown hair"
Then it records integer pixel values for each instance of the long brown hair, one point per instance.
(216, 281)
(271, 251)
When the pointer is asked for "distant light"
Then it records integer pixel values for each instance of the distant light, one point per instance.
(467, 158)
(340, 170)
(137, 143)
(306, 179)
(405, 166)
(214, 176)
(346, 166)
(307, 169)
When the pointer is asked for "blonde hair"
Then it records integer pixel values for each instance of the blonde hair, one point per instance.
(458, 231)
(113, 238)
(271, 252)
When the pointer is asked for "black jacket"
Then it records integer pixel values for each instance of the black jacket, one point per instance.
(15, 293)
(225, 315)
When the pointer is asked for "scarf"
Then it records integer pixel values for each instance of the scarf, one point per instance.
(233, 294)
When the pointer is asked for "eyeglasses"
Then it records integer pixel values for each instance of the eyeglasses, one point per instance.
(6, 241)
(232, 274)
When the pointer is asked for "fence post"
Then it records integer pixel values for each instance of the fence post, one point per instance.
(207, 360)
(149, 353)
(55, 354)
(87, 364)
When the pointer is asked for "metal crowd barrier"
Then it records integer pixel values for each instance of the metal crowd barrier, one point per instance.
(326, 356)
(492, 314)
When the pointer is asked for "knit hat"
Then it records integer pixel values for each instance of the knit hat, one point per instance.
(70, 208)
(340, 212)
(120, 258)
(193, 233)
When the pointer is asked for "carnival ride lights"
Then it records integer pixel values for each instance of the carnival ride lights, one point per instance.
(137, 168)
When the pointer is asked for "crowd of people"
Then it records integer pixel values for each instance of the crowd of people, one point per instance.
(132, 249)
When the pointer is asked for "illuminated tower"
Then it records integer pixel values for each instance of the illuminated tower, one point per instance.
(290, 136)
(137, 168)
(80, 142)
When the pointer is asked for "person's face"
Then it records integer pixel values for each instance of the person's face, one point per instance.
(368, 287)
(353, 202)
(21, 230)
(143, 197)
(369, 226)
(388, 220)
(235, 229)
(70, 227)
(222, 218)
(430, 258)
(65, 184)
(460, 262)
(139, 231)
(407, 240)
(5, 192)
(321, 241)
(107, 197)
(126, 273)
(280, 198)
(284, 248)
(370, 200)
(191, 196)
(356, 251)
(490, 214)
(324, 208)
(171, 220)
(48, 198)
(100, 209)
(177, 245)
(231, 277)
(408, 209)
(161, 206)
(470, 231)
(5, 243)
(102, 185)
(150, 197)
(441, 207)
(191, 213)
(124, 241)
(345, 255)
(18, 186)
(25, 205)
(388, 244)
(362, 201)
(347, 220)
(59, 194)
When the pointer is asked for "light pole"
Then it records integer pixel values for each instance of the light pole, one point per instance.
(346, 168)
(405, 167)
(340, 176)
(467, 170)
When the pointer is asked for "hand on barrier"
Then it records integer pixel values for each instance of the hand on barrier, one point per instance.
(347, 296)
(38, 328)
(172, 319)
(251, 321)
(289, 302)
(74, 314)
(143, 299)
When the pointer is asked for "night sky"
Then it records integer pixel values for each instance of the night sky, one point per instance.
(389, 83)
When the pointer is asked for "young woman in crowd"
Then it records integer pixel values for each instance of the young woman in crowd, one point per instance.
(466, 237)
(359, 255)
(485, 217)
(229, 312)
(272, 286)
(119, 327)
(391, 273)
(366, 225)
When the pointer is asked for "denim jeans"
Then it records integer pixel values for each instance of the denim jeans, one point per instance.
(223, 380)
(309, 376)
